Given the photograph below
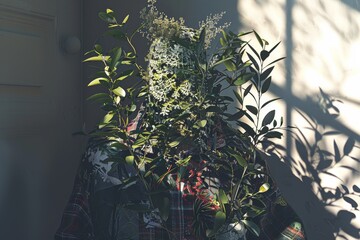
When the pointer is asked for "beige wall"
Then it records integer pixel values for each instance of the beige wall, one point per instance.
(321, 40)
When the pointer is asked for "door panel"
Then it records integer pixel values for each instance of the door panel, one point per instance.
(40, 108)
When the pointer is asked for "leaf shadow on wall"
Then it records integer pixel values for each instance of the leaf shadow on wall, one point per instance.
(317, 156)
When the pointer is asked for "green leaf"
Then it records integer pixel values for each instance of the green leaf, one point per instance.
(255, 52)
(356, 189)
(222, 196)
(252, 227)
(222, 42)
(132, 108)
(336, 152)
(264, 55)
(118, 146)
(129, 159)
(236, 116)
(125, 74)
(100, 97)
(273, 134)
(274, 47)
(176, 142)
(269, 117)
(252, 59)
(261, 42)
(266, 85)
(241, 161)
(97, 81)
(97, 58)
(264, 188)
(215, 109)
(279, 59)
(222, 61)
(202, 123)
(247, 90)
(107, 17)
(115, 58)
(98, 48)
(116, 33)
(243, 79)
(247, 128)
(230, 66)
(108, 117)
(252, 109)
(139, 142)
(109, 11)
(270, 101)
(125, 19)
(119, 91)
(266, 73)
(238, 97)
(349, 145)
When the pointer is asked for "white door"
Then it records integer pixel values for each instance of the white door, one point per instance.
(40, 108)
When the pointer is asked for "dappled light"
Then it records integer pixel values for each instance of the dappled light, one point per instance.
(318, 83)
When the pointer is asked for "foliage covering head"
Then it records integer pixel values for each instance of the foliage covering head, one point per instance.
(186, 137)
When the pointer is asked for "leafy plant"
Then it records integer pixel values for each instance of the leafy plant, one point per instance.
(187, 137)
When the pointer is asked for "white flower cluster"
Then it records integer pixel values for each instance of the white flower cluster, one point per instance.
(167, 60)
(211, 27)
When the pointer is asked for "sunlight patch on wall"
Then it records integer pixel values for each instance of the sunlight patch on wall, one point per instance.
(322, 42)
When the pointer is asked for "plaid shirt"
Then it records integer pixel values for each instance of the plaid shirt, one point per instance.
(76, 223)
(178, 226)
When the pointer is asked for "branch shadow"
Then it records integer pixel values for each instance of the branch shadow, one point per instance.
(316, 159)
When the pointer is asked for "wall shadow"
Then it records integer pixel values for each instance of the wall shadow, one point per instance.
(315, 168)
(313, 160)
